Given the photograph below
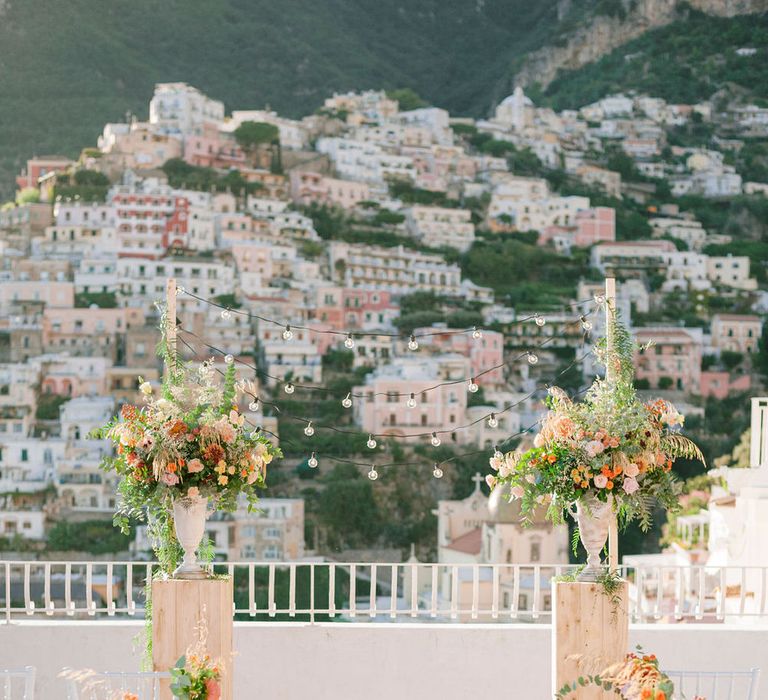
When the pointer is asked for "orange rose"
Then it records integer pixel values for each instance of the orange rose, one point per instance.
(609, 485)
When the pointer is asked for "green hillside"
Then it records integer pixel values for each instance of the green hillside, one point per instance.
(686, 61)
(68, 67)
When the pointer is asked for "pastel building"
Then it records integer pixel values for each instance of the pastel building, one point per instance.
(674, 359)
(41, 166)
(731, 271)
(736, 332)
(383, 410)
(361, 309)
(590, 226)
(180, 110)
(441, 226)
(308, 187)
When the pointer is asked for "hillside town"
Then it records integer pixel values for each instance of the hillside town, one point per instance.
(300, 247)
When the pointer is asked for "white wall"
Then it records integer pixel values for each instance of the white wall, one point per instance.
(287, 661)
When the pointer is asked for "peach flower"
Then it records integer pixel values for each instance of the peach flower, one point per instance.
(194, 466)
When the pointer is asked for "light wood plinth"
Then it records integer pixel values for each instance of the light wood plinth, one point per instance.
(587, 625)
(177, 609)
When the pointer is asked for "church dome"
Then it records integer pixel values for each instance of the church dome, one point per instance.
(516, 97)
(500, 509)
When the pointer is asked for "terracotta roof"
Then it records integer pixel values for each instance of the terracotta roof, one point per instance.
(471, 543)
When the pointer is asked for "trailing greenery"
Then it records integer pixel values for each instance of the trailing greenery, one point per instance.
(92, 536)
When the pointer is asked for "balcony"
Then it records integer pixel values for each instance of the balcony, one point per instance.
(421, 630)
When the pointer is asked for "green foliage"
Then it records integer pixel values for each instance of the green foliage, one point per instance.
(29, 195)
(48, 406)
(407, 99)
(90, 178)
(250, 135)
(104, 300)
(182, 174)
(686, 61)
(410, 194)
(228, 300)
(92, 536)
(338, 360)
(731, 359)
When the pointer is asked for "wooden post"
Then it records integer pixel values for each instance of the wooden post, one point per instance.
(591, 632)
(178, 608)
(610, 320)
(170, 321)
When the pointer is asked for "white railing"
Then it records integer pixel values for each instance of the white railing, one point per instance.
(329, 591)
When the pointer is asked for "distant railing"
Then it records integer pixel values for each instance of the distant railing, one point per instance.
(329, 591)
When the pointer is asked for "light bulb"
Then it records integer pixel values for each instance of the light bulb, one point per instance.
(180, 291)
(539, 320)
(493, 422)
(435, 440)
(373, 474)
(586, 324)
(255, 433)
(371, 443)
(254, 405)
(437, 472)
(497, 452)
(349, 342)
(411, 402)
(599, 299)
(347, 401)
(413, 344)
(287, 333)
(289, 388)
(312, 461)
(472, 387)
(309, 431)
(533, 358)
(229, 359)
(477, 333)
(226, 314)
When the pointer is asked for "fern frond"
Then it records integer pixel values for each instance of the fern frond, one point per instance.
(678, 445)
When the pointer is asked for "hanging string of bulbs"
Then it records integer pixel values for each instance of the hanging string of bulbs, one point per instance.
(227, 313)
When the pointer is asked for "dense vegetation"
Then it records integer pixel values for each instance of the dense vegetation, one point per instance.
(686, 61)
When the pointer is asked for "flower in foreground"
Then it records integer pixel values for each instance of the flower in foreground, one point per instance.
(630, 485)
(601, 481)
(194, 466)
(170, 479)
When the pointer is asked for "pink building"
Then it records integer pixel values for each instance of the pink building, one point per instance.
(354, 308)
(88, 331)
(307, 187)
(736, 332)
(384, 409)
(674, 359)
(39, 167)
(483, 353)
(720, 384)
(212, 149)
(591, 226)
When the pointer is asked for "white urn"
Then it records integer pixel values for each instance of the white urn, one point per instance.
(189, 515)
(593, 517)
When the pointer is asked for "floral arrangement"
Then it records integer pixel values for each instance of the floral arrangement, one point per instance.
(638, 677)
(610, 444)
(196, 678)
(187, 441)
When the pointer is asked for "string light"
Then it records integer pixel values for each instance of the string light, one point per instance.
(477, 333)
(289, 388)
(497, 452)
(312, 461)
(255, 433)
(309, 431)
(472, 386)
(229, 359)
(373, 474)
(254, 405)
(411, 402)
(599, 299)
(180, 291)
(533, 358)
(586, 324)
(493, 422)
(413, 343)
(226, 314)
(287, 333)
(349, 342)
(539, 320)
(437, 472)
(347, 401)
(371, 444)
(435, 440)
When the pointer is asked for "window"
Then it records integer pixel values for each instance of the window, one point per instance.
(273, 533)
(24, 454)
(535, 551)
(272, 552)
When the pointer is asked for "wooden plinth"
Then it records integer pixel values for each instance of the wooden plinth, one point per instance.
(177, 608)
(587, 625)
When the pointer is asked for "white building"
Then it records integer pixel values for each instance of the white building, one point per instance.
(178, 109)
(441, 226)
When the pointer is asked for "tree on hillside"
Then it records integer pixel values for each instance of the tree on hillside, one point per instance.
(407, 98)
(254, 136)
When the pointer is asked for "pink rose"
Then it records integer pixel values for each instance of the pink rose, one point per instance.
(193, 492)
(496, 463)
(594, 448)
(170, 479)
(253, 476)
(530, 478)
(194, 466)
(630, 485)
(517, 491)
(631, 469)
(490, 479)
(601, 481)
